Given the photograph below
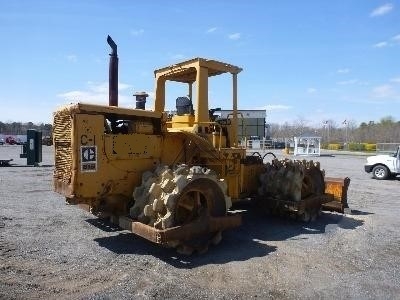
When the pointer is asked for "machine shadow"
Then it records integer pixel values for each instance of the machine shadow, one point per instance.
(252, 239)
(104, 225)
(227, 251)
(356, 212)
(260, 227)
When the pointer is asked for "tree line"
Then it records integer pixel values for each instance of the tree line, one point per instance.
(387, 130)
(18, 128)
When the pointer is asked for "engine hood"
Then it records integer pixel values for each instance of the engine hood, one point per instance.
(379, 158)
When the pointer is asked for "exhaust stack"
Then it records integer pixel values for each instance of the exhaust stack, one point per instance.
(113, 74)
(141, 100)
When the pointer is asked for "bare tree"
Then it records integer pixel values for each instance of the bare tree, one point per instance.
(387, 130)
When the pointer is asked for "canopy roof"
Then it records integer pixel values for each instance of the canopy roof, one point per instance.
(186, 71)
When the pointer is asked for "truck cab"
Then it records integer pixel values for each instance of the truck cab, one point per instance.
(384, 166)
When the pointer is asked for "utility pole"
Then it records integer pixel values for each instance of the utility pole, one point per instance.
(346, 124)
(327, 125)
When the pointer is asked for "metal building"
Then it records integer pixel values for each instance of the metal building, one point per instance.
(252, 123)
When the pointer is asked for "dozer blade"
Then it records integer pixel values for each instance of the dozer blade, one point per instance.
(338, 188)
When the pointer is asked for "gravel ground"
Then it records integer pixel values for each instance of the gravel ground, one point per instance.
(51, 250)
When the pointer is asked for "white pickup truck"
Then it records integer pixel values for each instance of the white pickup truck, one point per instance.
(384, 166)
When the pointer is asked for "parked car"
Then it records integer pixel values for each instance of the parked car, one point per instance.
(11, 140)
(1, 141)
(384, 166)
(47, 140)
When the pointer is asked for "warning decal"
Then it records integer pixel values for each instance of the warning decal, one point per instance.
(88, 158)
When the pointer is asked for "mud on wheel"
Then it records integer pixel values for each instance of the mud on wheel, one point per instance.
(169, 198)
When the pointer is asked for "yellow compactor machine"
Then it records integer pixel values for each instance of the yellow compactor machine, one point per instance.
(173, 179)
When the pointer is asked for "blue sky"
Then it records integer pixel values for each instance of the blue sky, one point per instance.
(302, 60)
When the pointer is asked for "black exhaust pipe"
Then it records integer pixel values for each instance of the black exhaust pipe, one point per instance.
(141, 100)
(113, 74)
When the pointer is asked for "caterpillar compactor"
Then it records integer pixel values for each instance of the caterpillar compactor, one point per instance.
(173, 179)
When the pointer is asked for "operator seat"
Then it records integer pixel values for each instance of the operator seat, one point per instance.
(184, 106)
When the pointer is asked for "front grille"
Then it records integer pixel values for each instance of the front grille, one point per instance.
(62, 128)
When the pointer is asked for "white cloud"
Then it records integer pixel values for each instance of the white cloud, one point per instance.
(97, 93)
(83, 96)
(178, 56)
(137, 32)
(146, 74)
(311, 90)
(98, 87)
(382, 10)
(383, 91)
(396, 80)
(343, 71)
(212, 29)
(347, 82)
(381, 45)
(234, 36)
(396, 38)
(152, 95)
(391, 42)
(276, 107)
(72, 58)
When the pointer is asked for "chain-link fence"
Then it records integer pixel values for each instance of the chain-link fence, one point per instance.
(382, 148)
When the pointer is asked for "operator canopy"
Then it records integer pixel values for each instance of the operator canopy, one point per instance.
(186, 71)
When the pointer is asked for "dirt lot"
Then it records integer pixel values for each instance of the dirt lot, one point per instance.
(51, 250)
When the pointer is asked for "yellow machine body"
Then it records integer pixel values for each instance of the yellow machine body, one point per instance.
(120, 161)
(101, 167)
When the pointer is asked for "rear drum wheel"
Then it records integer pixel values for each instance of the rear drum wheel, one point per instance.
(200, 196)
(170, 198)
(294, 181)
